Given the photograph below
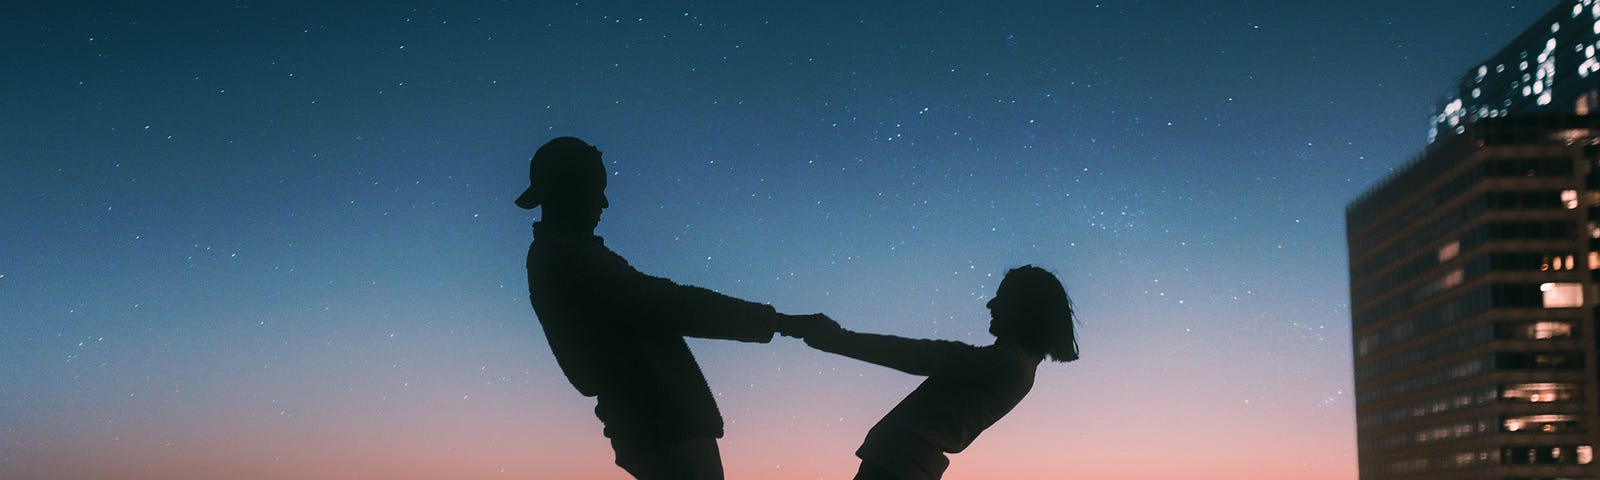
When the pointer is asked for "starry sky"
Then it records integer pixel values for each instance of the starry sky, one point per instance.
(266, 240)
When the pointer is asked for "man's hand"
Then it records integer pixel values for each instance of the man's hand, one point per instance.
(802, 326)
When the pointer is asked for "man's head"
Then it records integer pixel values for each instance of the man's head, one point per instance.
(568, 179)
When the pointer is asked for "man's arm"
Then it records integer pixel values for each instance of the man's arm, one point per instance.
(699, 312)
(681, 309)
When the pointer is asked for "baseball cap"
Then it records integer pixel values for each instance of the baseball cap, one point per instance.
(561, 163)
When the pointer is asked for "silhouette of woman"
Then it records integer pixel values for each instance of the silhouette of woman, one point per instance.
(968, 387)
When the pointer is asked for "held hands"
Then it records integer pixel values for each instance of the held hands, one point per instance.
(804, 326)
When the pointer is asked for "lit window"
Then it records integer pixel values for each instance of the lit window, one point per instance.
(1570, 199)
(1452, 279)
(1539, 392)
(1562, 295)
(1585, 454)
(1558, 262)
(1594, 260)
(1450, 250)
(1549, 330)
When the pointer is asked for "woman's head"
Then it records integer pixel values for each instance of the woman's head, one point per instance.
(1032, 308)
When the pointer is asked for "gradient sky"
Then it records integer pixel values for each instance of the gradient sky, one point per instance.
(265, 240)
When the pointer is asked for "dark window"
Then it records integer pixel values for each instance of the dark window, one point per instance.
(1523, 199)
(1528, 167)
(1516, 296)
(1538, 360)
(1529, 230)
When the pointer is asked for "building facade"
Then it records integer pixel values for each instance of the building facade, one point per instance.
(1473, 295)
(1474, 272)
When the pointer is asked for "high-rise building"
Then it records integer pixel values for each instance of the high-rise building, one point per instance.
(1473, 274)
(1549, 68)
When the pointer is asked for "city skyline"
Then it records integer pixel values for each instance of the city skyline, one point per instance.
(277, 240)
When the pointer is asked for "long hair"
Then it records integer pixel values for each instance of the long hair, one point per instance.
(1046, 325)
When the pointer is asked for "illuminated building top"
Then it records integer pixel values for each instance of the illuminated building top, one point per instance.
(1549, 68)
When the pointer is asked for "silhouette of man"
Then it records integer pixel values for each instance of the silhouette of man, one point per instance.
(618, 333)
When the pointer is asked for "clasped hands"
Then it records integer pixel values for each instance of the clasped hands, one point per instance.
(805, 326)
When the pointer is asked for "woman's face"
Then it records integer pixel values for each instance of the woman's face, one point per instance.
(1003, 309)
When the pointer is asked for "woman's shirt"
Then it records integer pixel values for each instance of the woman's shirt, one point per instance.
(968, 389)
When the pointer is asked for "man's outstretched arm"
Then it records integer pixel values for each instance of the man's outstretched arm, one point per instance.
(685, 309)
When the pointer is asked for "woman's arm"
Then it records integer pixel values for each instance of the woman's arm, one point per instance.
(913, 356)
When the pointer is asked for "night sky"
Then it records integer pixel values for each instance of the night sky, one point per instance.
(257, 240)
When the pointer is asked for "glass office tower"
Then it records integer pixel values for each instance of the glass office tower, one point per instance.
(1549, 68)
(1473, 273)
(1473, 298)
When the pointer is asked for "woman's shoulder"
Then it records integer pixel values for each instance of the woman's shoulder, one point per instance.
(1011, 356)
(991, 361)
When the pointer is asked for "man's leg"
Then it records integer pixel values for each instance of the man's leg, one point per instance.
(690, 459)
(696, 458)
(871, 471)
(635, 457)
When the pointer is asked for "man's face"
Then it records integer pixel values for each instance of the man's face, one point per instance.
(594, 201)
(580, 197)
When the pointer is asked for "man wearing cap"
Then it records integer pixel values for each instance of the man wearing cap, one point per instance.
(618, 333)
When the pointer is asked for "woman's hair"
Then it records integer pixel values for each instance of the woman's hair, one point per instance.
(1046, 323)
